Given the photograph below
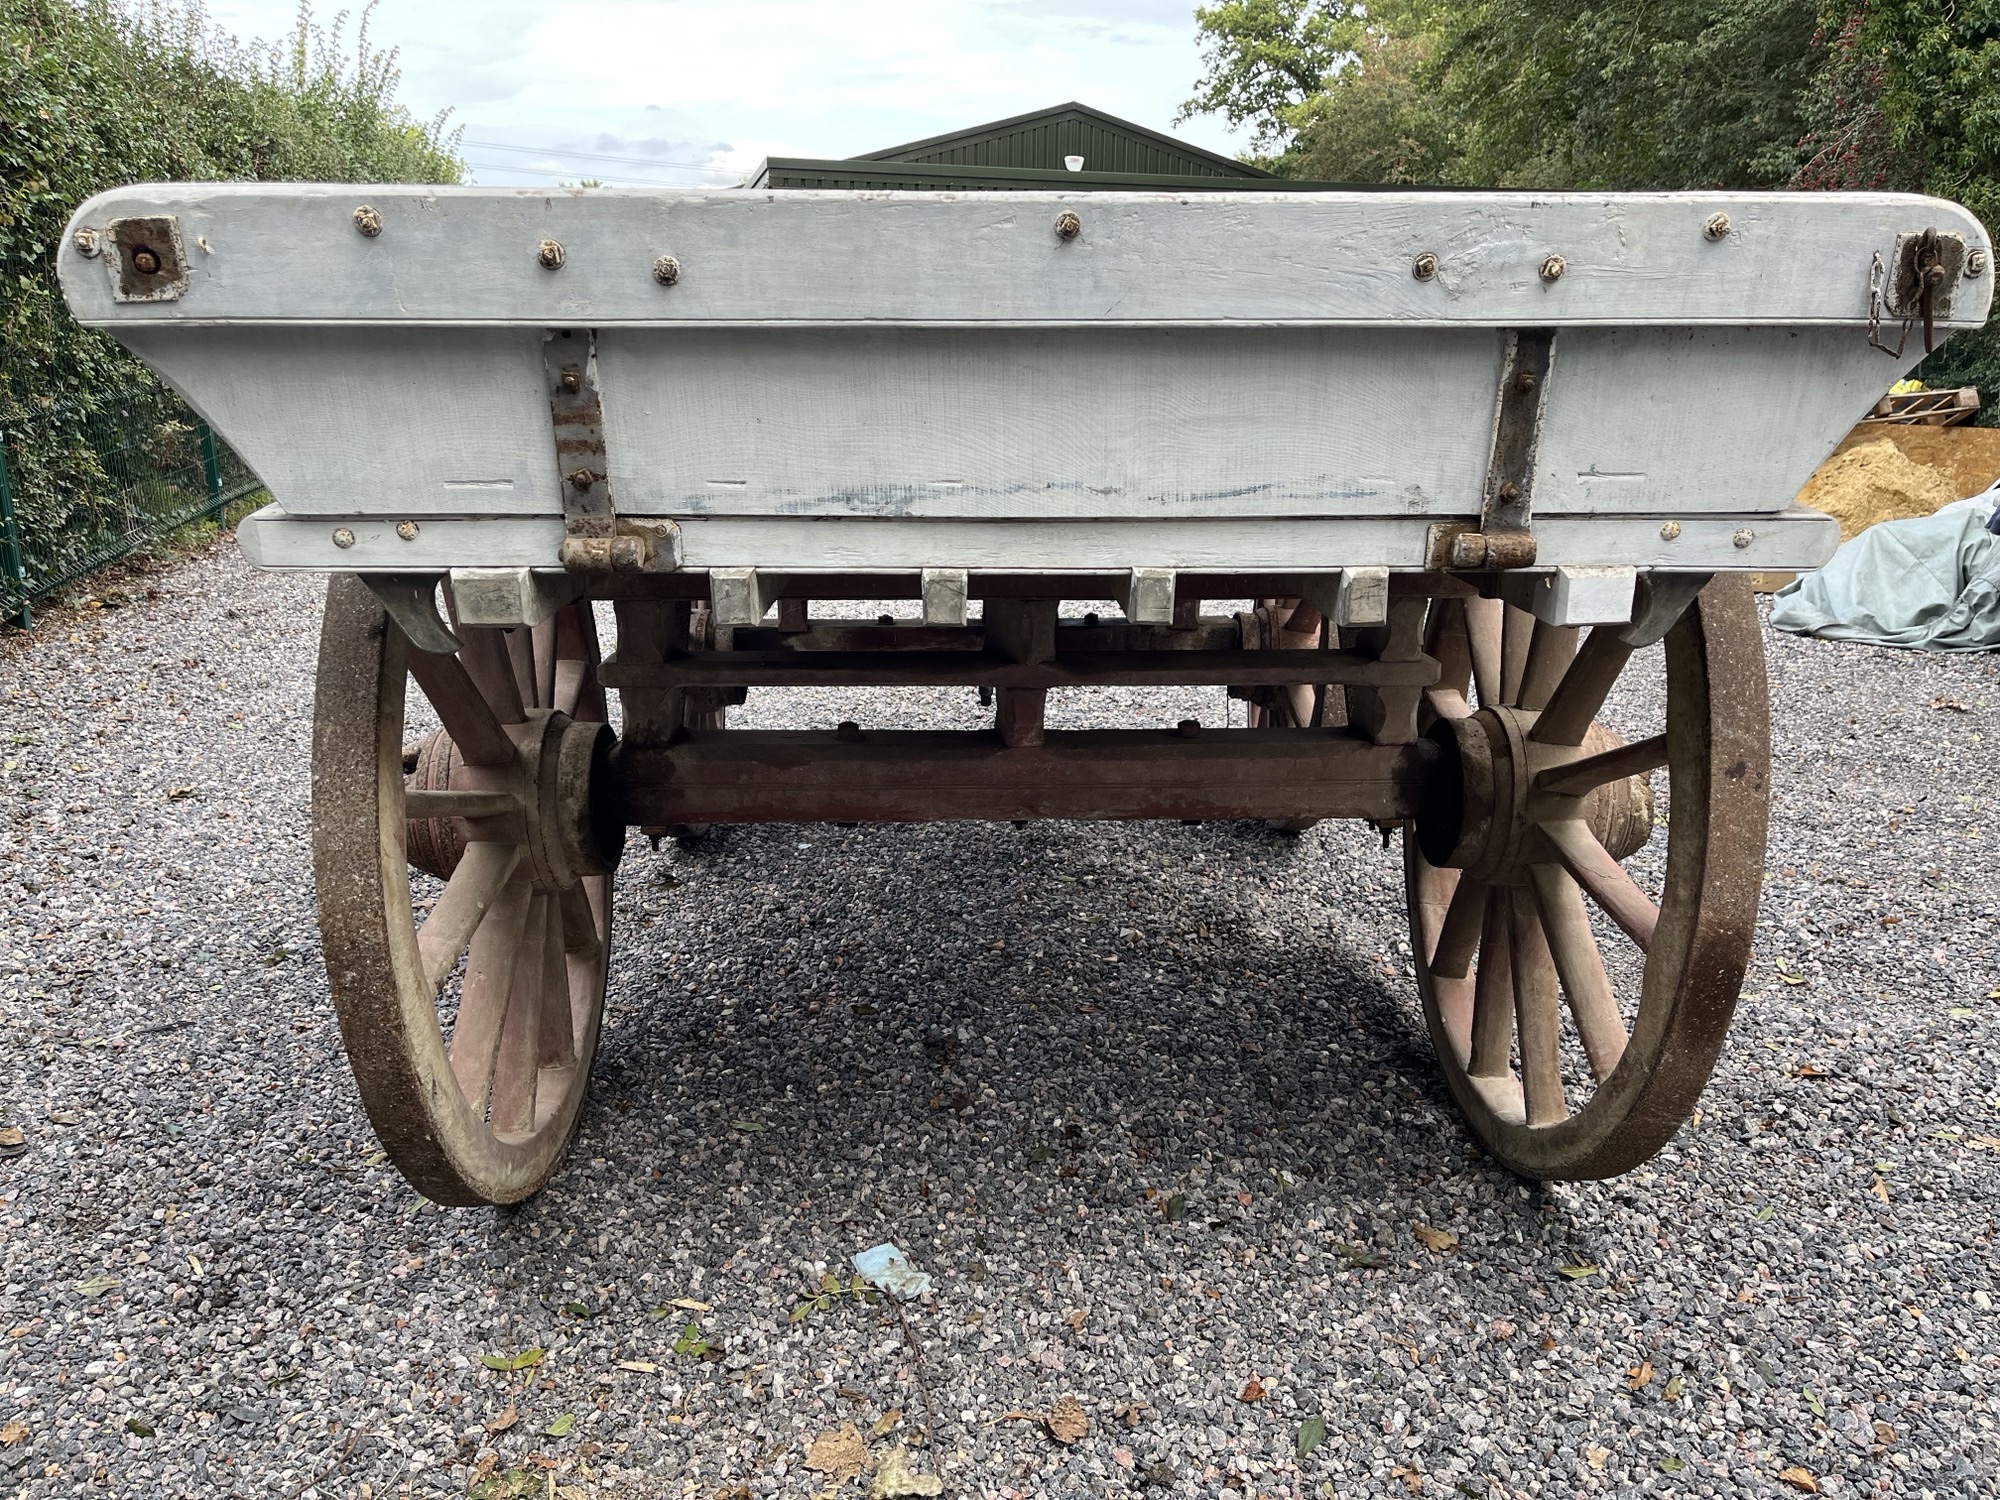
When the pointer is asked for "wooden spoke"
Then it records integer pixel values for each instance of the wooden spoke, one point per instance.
(1458, 936)
(482, 1002)
(1446, 703)
(1550, 650)
(1482, 624)
(419, 804)
(475, 884)
(1581, 966)
(1517, 633)
(1537, 1015)
(1580, 695)
(546, 656)
(463, 709)
(518, 1061)
(1609, 886)
(1493, 998)
(484, 653)
(570, 677)
(579, 922)
(558, 1043)
(1435, 890)
(520, 644)
(1582, 776)
(1446, 640)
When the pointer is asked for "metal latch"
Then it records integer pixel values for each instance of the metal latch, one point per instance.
(1505, 535)
(596, 539)
(1920, 282)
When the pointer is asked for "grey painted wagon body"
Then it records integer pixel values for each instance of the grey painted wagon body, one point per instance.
(1436, 438)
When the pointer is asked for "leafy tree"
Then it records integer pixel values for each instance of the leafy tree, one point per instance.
(1267, 59)
(95, 93)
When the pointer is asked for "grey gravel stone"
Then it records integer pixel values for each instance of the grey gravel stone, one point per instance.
(1008, 1050)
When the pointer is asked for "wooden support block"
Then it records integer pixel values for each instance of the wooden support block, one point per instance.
(794, 616)
(1147, 596)
(1573, 596)
(511, 597)
(1022, 631)
(1352, 597)
(944, 591)
(649, 632)
(741, 596)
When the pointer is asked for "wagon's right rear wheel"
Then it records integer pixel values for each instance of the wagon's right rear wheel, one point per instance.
(470, 1036)
(1576, 1035)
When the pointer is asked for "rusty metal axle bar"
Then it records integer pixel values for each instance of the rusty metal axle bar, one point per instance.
(786, 668)
(906, 776)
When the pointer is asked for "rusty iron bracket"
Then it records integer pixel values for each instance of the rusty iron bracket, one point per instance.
(596, 539)
(1919, 283)
(1505, 535)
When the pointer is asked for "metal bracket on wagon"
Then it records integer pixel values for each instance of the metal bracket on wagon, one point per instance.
(597, 539)
(1505, 535)
(411, 599)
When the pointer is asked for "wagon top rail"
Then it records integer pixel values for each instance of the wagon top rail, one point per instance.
(345, 253)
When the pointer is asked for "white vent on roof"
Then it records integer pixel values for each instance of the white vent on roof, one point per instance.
(1074, 163)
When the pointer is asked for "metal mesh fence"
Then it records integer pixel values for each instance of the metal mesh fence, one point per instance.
(98, 477)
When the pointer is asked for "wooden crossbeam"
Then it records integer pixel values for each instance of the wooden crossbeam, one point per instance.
(785, 668)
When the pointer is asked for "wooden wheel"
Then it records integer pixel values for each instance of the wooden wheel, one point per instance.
(470, 1036)
(1539, 806)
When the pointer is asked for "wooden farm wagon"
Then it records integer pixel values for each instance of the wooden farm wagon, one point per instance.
(1469, 457)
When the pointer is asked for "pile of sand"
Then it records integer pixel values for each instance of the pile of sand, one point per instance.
(1873, 482)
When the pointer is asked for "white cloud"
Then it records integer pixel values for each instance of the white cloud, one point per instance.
(728, 82)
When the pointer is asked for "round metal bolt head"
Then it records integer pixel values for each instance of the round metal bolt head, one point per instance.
(582, 479)
(1716, 227)
(1975, 263)
(1510, 491)
(342, 537)
(1742, 537)
(1424, 267)
(367, 221)
(1553, 268)
(86, 242)
(1526, 381)
(551, 255)
(1068, 224)
(146, 262)
(1669, 531)
(407, 530)
(666, 270)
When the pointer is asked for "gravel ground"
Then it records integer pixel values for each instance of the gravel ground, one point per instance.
(1152, 1104)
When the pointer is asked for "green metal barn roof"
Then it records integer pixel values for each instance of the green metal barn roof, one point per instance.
(1027, 151)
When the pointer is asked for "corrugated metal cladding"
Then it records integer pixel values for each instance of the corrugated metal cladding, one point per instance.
(1043, 143)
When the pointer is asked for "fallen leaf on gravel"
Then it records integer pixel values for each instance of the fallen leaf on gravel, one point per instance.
(887, 1420)
(1412, 1480)
(841, 1454)
(1175, 1208)
(1673, 1390)
(1880, 1189)
(12, 1141)
(1808, 1070)
(12, 1433)
(691, 1343)
(1884, 1433)
(97, 1286)
(1983, 1142)
(1672, 1465)
(560, 1426)
(749, 1127)
(138, 1428)
(1439, 1240)
(1066, 1421)
(1500, 1328)
(1945, 705)
(179, 793)
(1640, 1375)
(1578, 1272)
(1312, 1432)
(1254, 1391)
(527, 1359)
(1800, 1479)
(894, 1480)
(1598, 1456)
(688, 1304)
(639, 1366)
(1076, 1318)
(1813, 1402)
(505, 1420)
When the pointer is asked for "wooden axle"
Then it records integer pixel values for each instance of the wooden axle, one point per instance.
(905, 776)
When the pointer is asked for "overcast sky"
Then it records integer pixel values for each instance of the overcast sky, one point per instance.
(699, 91)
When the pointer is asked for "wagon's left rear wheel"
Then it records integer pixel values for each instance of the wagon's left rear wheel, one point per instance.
(471, 1034)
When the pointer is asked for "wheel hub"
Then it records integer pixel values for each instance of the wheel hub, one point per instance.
(562, 819)
(1483, 811)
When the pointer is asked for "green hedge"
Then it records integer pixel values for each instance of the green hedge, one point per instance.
(94, 94)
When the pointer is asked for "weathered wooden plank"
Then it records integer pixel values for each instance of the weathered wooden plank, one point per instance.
(740, 776)
(289, 254)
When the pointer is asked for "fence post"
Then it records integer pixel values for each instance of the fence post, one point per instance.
(211, 469)
(13, 568)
